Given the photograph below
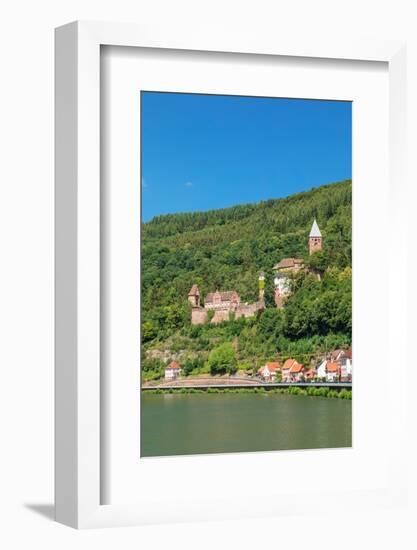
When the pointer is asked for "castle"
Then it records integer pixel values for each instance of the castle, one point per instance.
(223, 304)
(227, 304)
(288, 266)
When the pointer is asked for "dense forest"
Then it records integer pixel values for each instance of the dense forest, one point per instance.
(226, 249)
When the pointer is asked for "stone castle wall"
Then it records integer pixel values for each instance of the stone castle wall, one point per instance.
(220, 316)
(248, 310)
(198, 316)
(219, 306)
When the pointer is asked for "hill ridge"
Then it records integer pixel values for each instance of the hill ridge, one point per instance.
(226, 252)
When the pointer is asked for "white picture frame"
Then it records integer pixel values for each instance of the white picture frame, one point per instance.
(78, 404)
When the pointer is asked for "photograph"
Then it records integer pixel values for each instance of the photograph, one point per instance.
(246, 274)
(212, 207)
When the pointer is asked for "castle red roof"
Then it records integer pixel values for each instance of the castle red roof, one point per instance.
(286, 263)
(194, 291)
(224, 296)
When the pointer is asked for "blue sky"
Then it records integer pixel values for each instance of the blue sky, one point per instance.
(201, 152)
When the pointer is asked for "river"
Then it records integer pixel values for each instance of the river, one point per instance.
(181, 424)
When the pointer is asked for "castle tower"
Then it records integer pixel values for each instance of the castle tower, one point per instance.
(314, 239)
(261, 286)
(194, 296)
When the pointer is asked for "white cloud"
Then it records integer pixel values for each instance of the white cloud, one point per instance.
(188, 184)
(144, 184)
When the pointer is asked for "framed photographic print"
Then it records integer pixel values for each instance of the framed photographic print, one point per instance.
(221, 205)
(246, 297)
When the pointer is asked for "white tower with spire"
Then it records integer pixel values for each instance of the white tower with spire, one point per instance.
(315, 239)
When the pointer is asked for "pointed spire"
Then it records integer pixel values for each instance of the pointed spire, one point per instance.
(194, 291)
(315, 231)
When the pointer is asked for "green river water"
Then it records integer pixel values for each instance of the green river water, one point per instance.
(185, 424)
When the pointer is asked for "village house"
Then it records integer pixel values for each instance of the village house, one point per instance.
(310, 374)
(321, 370)
(336, 355)
(336, 367)
(286, 368)
(346, 366)
(292, 371)
(269, 371)
(332, 371)
(223, 304)
(343, 358)
(172, 371)
(297, 372)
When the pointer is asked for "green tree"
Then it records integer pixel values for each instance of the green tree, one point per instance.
(149, 331)
(318, 261)
(222, 359)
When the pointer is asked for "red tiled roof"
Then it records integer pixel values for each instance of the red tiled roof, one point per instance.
(173, 365)
(273, 366)
(348, 353)
(288, 364)
(296, 367)
(337, 354)
(332, 367)
(288, 262)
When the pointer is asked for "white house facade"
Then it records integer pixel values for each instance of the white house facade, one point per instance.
(321, 370)
(172, 371)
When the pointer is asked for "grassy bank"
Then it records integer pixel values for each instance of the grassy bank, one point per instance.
(295, 390)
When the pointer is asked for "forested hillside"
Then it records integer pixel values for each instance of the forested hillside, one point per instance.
(226, 249)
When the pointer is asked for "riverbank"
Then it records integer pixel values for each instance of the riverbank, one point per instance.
(323, 391)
